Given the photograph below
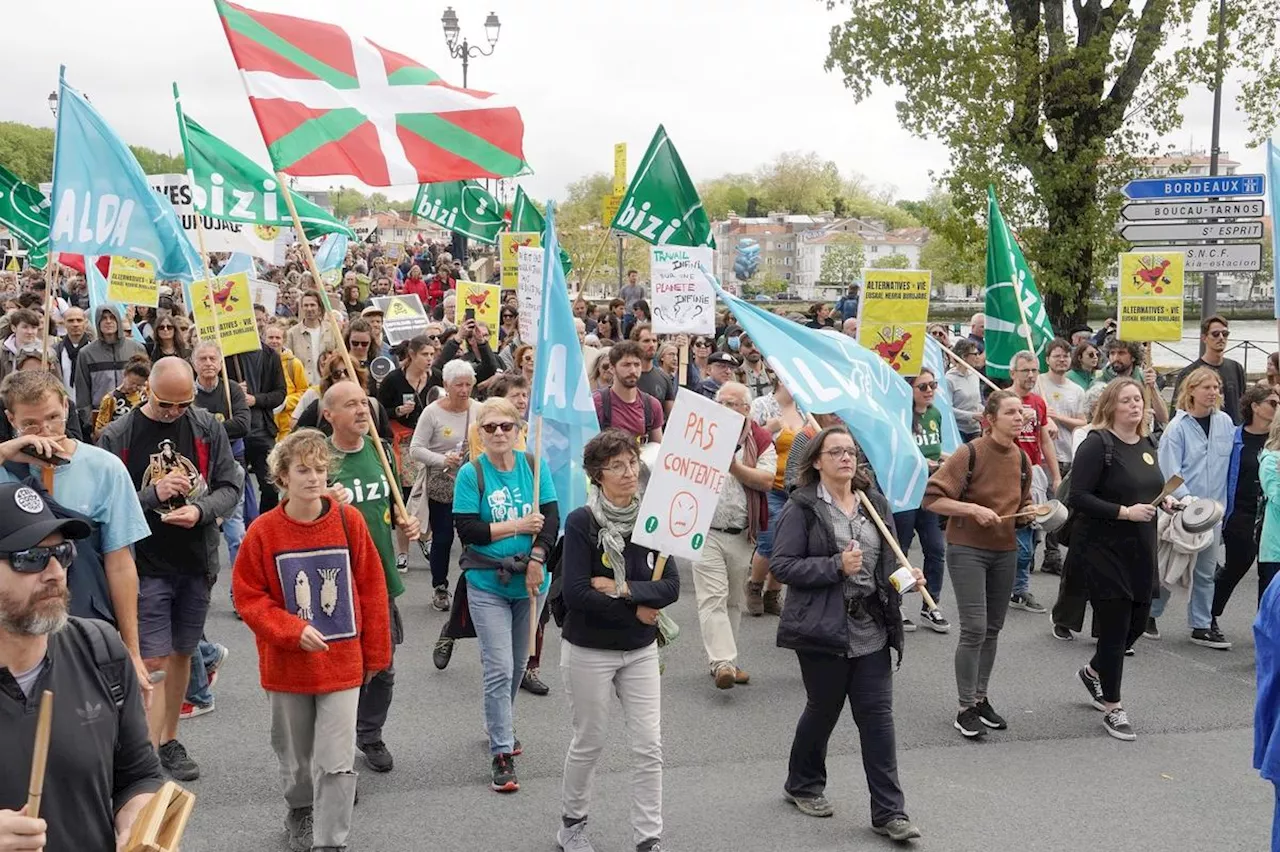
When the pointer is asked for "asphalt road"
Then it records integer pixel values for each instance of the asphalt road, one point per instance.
(1053, 781)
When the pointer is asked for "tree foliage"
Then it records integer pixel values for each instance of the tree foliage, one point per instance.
(28, 152)
(1053, 103)
(581, 232)
(843, 260)
(892, 261)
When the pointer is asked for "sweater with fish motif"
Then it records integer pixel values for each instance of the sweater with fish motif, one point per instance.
(326, 573)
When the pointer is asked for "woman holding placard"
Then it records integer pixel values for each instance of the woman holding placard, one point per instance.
(612, 599)
(841, 616)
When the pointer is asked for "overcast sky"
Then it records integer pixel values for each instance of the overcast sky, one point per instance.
(736, 82)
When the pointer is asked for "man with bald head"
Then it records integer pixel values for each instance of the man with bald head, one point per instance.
(850, 327)
(180, 461)
(69, 345)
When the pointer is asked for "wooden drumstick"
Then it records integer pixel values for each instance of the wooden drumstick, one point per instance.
(893, 545)
(40, 755)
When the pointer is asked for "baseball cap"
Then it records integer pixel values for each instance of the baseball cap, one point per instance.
(722, 358)
(371, 310)
(26, 519)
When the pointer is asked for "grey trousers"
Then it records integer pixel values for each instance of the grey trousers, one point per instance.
(981, 581)
(314, 737)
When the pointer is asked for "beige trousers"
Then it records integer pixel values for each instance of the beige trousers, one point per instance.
(719, 582)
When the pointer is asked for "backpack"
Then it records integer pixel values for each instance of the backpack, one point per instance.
(1064, 487)
(606, 411)
(110, 663)
(968, 476)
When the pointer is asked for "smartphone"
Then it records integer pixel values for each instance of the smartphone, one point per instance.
(54, 460)
(469, 313)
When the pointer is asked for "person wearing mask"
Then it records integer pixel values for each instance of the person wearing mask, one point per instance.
(841, 617)
(926, 426)
(295, 380)
(100, 776)
(1197, 446)
(1113, 539)
(313, 660)
(1036, 440)
(403, 395)
(167, 341)
(180, 462)
(100, 364)
(720, 368)
(720, 577)
(75, 338)
(623, 405)
(1214, 336)
(977, 329)
(1084, 364)
(966, 388)
(981, 488)
(653, 380)
(506, 537)
(755, 373)
(359, 470)
(311, 335)
(1065, 401)
(778, 414)
(612, 605)
(439, 444)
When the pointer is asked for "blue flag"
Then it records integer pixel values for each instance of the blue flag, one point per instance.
(828, 372)
(332, 252)
(936, 361)
(561, 390)
(1273, 198)
(102, 201)
(238, 262)
(98, 296)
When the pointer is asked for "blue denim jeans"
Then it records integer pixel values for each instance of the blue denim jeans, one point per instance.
(924, 522)
(1026, 554)
(198, 686)
(1200, 599)
(233, 530)
(502, 628)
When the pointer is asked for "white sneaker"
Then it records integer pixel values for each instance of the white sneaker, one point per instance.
(573, 838)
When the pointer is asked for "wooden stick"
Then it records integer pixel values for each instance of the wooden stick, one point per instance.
(51, 270)
(893, 544)
(537, 481)
(659, 567)
(40, 754)
(213, 312)
(988, 382)
(1146, 365)
(342, 348)
(682, 372)
(582, 282)
(1174, 483)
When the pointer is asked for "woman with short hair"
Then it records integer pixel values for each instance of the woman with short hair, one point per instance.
(1084, 364)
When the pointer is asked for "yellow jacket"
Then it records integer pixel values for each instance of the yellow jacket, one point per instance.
(295, 380)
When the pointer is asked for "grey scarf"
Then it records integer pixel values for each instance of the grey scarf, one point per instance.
(616, 523)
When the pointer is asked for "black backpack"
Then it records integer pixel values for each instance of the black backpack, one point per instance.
(606, 411)
(968, 477)
(1064, 487)
(110, 663)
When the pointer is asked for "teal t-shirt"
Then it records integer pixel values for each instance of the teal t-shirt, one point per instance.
(508, 496)
(928, 433)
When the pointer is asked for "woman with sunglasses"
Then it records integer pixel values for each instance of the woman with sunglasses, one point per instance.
(699, 351)
(926, 425)
(168, 340)
(403, 393)
(524, 360)
(1084, 365)
(506, 535)
(336, 371)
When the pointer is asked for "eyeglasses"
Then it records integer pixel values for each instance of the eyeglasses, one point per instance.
(164, 328)
(1220, 334)
(433, 337)
(491, 428)
(927, 386)
(701, 343)
(359, 344)
(168, 406)
(622, 468)
(1271, 402)
(840, 453)
(340, 373)
(33, 560)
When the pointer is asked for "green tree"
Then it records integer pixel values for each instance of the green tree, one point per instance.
(843, 260)
(28, 152)
(769, 284)
(581, 232)
(892, 261)
(1052, 104)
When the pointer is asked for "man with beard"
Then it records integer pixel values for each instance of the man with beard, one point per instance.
(68, 348)
(101, 764)
(624, 406)
(653, 381)
(1123, 359)
(755, 375)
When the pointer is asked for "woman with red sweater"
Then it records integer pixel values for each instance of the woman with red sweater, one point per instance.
(309, 583)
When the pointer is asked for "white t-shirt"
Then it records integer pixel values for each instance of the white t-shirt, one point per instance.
(1067, 399)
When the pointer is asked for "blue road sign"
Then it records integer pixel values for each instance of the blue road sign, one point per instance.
(1188, 186)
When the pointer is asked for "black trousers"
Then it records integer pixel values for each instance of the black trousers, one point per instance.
(867, 684)
(256, 449)
(1242, 549)
(375, 696)
(1118, 623)
(1073, 596)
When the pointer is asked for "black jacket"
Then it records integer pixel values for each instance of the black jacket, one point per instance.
(262, 372)
(592, 618)
(806, 559)
(482, 358)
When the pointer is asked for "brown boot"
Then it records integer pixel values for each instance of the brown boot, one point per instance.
(772, 602)
(755, 600)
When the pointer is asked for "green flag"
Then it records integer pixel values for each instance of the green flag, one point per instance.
(1010, 329)
(661, 205)
(25, 212)
(462, 206)
(525, 216)
(225, 184)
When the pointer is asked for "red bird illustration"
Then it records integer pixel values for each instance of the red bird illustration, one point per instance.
(477, 298)
(893, 350)
(1153, 276)
(223, 297)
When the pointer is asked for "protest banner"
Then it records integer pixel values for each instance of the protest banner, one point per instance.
(483, 302)
(683, 300)
(132, 281)
(893, 316)
(266, 294)
(1150, 295)
(219, 234)
(509, 243)
(529, 291)
(403, 317)
(236, 330)
(684, 486)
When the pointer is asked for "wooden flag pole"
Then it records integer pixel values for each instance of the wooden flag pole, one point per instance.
(40, 754)
(988, 382)
(537, 481)
(582, 282)
(392, 484)
(51, 284)
(213, 312)
(893, 545)
(682, 374)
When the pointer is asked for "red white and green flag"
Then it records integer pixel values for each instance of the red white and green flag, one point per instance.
(329, 102)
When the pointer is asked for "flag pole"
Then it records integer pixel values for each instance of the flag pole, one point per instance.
(582, 282)
(342, 345)
(537, 481)
(213, 311)
(893, 544)
(51, 284)
(960, 360)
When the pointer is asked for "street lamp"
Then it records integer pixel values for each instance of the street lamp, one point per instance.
(465, 50)
(53, 103)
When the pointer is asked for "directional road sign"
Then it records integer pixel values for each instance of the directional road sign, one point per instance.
(1186, 186)
(1236, 257)
(1163, 232)
(1163, 211)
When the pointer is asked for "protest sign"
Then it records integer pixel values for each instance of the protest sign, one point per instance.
(509, 243)
(265, 294)
(684, 486)
(481, 302)
(219, 234)
(403, 317)
(529, 291)
(132, 281)
(684, 302)
(236, 330)
(1150, 295)
(893, 316)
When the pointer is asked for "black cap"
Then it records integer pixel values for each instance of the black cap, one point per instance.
(722, 358)
(26, 519)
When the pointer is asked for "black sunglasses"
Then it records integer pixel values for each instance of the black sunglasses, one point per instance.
(33, 560)
(490, 428)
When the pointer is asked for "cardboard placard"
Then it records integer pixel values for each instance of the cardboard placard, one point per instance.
(683, 298)
(893, 316)
(1149, 301)
(237, 331)
(403, 317)
(529, 291)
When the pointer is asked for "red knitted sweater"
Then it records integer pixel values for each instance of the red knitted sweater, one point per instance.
(290, 573)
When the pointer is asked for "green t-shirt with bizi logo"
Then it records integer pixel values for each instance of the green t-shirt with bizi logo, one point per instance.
(928, 432)
(362, 474)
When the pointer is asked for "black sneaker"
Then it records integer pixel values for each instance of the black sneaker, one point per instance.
(1117, 724)
(532, 683)
(989, 716)
(440, 600)
(1210, 638)
(504, 774)
(1129, 652)
(1093, 684)
(1063, 633)
(969, 723)
(935, 620)
(376, 755)
(1026, 602)
(176, 761)
(908, 626)
(1152, 632)
(298, 822)
(443, 653)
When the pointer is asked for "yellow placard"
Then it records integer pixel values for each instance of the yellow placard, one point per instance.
(609, 208)
(236, 330)
(509, 243)
(132, 281)
(1150, 296)
(620, 169)
(484, 301)
(893, 316)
